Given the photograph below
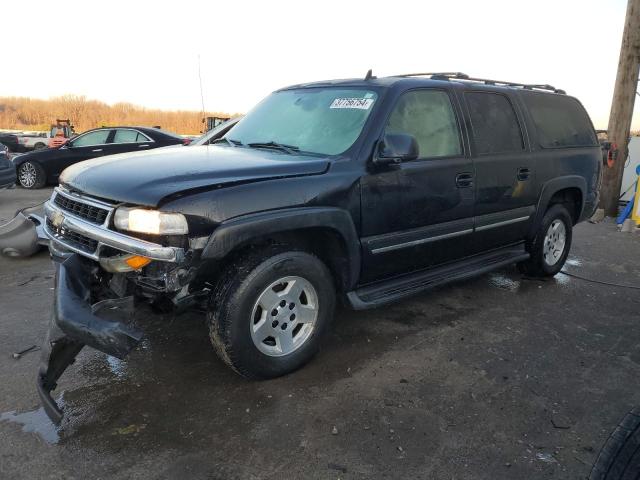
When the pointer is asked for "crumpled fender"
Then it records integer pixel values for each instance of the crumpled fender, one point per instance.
(23, 235)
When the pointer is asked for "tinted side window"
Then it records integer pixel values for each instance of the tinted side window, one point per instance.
(99, 137)
(494, 122)
(125, 136)
(560, 121)
(129, 136)
(429, 117)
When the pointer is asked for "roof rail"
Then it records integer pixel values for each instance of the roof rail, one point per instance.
(464, 76)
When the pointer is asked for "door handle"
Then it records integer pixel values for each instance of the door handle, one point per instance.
(464, 180)
(523, 173)
(97, 150)
(142, 146)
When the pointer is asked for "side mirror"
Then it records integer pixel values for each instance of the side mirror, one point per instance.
(396, 148)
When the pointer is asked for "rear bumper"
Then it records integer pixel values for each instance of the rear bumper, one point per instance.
(590, 205)
(74, 325)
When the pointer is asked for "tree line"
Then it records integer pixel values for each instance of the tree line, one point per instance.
(24, 113)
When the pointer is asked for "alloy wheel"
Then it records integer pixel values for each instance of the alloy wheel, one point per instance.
(284, 316)
(554, 242)
(27, 175)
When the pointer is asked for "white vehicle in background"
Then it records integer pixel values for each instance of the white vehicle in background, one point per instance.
(38, 140)
(34, 140)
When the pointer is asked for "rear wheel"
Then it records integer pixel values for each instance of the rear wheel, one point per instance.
(270, 310)
(31, 175)
(550, 247)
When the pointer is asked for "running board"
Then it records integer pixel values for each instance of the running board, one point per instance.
(388, 291)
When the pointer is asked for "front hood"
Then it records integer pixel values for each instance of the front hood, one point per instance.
(145, 178)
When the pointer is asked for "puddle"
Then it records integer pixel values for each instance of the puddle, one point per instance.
(574, 262)
(35, 421)
(503, 282)
(117, 366)
(563, 279)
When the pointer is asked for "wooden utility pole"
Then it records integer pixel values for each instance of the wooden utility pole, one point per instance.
(622, 107)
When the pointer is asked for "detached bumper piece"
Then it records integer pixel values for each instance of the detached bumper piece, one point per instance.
(73, 325)
(23, 235)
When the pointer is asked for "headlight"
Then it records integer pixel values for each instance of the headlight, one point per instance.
(150, 221)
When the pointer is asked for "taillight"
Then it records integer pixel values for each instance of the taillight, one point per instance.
(186, 141)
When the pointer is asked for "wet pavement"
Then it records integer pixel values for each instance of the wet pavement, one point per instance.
(497, 377)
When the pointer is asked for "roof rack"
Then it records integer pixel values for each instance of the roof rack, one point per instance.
(464, 76)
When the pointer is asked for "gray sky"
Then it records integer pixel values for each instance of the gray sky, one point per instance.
(147, 52)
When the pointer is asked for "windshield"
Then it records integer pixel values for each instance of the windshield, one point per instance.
(324, 121)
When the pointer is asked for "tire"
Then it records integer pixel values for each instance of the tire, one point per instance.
(31, 175)
(252, 310)
(39, 146)
(619, 458)
(544, 262)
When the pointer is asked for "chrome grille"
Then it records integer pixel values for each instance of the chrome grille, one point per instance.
(82, 210)
(73, 239)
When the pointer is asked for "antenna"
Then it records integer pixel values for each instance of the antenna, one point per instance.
(369, 75)
(201, 92)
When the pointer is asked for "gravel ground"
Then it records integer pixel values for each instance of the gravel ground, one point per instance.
(497, 377)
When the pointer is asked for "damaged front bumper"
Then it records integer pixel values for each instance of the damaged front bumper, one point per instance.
(74, 325)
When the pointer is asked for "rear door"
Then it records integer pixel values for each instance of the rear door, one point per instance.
(505, 172)
(419, 214)
(129, 140)
(84, 147)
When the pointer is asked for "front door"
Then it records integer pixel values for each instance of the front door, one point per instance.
(505, 172)
(419, 214)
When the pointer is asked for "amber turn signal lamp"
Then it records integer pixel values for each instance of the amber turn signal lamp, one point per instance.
(137, 262)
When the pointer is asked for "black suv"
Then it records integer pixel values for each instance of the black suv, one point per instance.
(365, 190)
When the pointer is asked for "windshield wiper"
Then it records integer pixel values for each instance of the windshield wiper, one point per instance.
(233, 143)
(276, 146)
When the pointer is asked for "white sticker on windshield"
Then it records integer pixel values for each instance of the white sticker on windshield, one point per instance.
(359, 103)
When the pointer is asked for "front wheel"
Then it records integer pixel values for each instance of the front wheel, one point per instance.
(31, 175)
(550, 246)
(270, 310)
(619, 458)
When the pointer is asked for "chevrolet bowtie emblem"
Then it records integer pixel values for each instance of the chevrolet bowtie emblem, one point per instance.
(57, 218)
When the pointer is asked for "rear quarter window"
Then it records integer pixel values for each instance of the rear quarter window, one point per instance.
(560, 121)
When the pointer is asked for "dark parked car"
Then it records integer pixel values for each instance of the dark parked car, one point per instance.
(42, 167)
(7, 169)
(366, 190)
(12, 142)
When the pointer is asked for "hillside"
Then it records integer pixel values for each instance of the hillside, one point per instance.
(23, 113)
